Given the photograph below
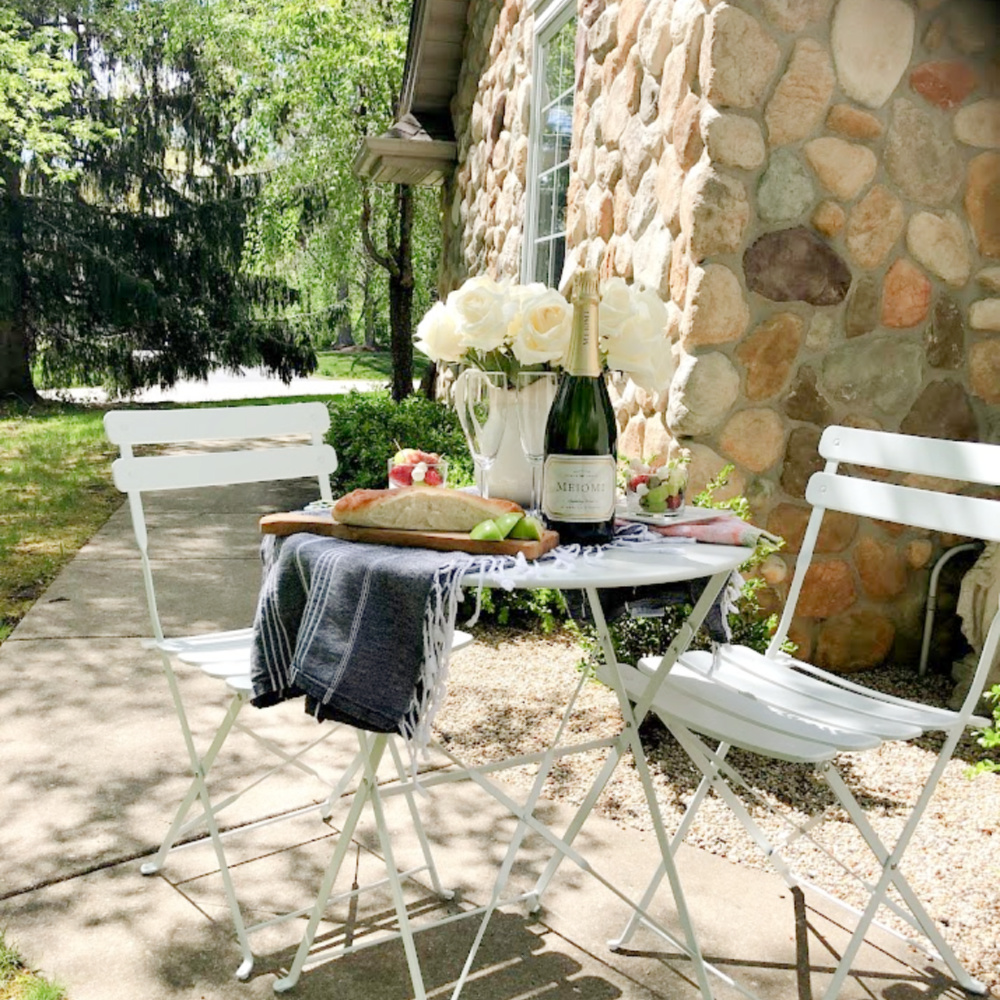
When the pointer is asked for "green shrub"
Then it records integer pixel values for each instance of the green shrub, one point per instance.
(989, 738)
(529, 610)
(367, 428)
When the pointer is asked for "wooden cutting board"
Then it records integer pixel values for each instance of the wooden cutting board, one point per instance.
(446, 541)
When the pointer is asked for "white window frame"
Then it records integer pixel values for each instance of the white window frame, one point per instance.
(551, 16)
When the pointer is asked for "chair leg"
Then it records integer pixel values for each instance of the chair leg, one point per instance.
(372, 755)
(892, 876)
(616, 944)
(201, 768)
(201, 791)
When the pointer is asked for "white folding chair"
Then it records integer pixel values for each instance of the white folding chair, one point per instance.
(226, 655)
(780, 707)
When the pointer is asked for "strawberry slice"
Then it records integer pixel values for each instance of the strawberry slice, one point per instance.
(432, 478)
(402, 474)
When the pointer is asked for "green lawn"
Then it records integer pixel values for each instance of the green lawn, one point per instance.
(364, 364)
(374, 365)
(17, 982)
(55, 492)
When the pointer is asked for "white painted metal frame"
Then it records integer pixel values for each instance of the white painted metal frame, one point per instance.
(615, 568)
(226, 655)
(784, 708)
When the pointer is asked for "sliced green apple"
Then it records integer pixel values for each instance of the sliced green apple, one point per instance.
(487, 531)
(507, 522)
(527, 529)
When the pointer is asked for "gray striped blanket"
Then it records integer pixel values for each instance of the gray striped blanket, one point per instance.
(362, 631)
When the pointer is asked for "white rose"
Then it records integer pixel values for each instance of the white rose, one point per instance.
(646, 301)
(437, 334)
(540, 330)
(657, 370)
(482, 312)
(639, 345)
(615, 308)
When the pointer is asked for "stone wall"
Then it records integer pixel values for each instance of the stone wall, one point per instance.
(814, 189)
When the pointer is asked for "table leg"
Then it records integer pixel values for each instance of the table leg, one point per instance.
(544, 767)
(630, 739)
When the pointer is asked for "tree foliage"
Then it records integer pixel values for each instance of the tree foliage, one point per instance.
(335, 73)
(179, 190)
(123, 214)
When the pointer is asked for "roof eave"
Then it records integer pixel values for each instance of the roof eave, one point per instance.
(416, 162)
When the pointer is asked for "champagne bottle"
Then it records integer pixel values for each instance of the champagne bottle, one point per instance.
(581, 435)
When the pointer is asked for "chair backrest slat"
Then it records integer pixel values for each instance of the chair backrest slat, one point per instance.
(968, 461)
(132, 427)
(946, 512)
(280, 459)
(837, 488)
(179, 472)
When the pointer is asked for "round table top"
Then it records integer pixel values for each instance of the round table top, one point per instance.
(625, 566)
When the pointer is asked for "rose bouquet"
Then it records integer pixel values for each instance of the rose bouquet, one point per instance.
(502, 326)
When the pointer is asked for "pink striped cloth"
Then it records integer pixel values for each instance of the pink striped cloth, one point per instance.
(725, 529)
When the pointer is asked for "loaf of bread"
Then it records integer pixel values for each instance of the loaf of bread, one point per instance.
(419, 508)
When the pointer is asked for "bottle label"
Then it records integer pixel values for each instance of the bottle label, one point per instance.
(579, 488)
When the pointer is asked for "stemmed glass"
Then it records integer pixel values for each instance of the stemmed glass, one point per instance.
(478, 399)
(535, 392)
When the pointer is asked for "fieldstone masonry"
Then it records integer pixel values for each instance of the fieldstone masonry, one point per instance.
(813, 187)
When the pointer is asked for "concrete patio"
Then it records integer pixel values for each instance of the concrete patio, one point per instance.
(94, 766)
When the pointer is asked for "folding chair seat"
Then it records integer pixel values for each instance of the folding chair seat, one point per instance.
(225, 655)
(780, 707)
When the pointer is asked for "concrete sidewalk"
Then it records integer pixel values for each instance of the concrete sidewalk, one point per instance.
(94, 766)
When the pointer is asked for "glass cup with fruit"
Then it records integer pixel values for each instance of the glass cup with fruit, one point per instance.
(412, 467)
(653, 488)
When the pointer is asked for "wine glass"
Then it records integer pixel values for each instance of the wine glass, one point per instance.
(478, 399)
(535, 392)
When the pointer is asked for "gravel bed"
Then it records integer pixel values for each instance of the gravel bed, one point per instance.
(505, 696)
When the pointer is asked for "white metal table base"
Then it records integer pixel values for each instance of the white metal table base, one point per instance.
(628, 739)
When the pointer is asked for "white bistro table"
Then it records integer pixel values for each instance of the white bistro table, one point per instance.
(612, 567)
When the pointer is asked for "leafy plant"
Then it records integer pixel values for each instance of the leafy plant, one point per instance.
(367, 428)
(543, 609)
(634, 638)
(989, 738)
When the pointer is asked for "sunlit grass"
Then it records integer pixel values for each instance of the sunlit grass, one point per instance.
(364, 365)
(55, 492)
(17, 982)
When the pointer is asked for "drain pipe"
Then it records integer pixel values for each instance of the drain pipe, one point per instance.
(932, 598)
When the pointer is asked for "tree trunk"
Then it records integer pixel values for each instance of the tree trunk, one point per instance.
(344, 336)
(428, 382)
(368, 309)
(15, 344)
(400, 306)
(401, 298)
(398, 262)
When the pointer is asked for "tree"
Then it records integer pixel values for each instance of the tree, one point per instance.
(334, 72)
(127, 220)
(38, 132)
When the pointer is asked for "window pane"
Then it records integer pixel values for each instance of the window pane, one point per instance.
(555, 124)
(542, 262)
